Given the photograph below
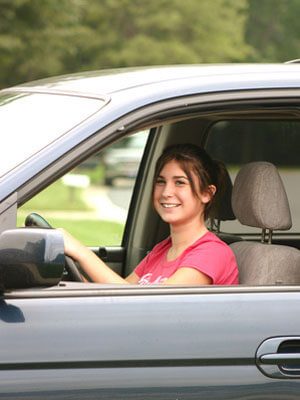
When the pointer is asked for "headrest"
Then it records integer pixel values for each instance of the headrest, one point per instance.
(259, 198)
(221, 209)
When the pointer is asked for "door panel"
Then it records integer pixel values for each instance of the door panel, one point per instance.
(144, 345)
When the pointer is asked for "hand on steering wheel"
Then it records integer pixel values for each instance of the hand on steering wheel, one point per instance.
(36, 220)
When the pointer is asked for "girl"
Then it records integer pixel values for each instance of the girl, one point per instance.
(186, 183)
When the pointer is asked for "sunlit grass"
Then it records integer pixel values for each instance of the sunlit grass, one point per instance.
(57, 197)
(92, 233)
(88, 231)
(69, 201)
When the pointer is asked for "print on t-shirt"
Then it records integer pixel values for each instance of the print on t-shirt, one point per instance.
(147, 279)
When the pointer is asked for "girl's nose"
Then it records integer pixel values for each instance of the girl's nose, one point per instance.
(168, 190)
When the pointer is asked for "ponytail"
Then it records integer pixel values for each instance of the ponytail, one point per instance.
(217, 206)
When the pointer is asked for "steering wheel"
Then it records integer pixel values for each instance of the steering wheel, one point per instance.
(37, 220)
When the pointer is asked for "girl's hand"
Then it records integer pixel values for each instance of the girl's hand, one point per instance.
(73, 247)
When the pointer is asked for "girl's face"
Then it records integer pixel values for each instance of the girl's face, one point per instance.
(173, 198)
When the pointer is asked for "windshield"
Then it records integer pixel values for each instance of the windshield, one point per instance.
(30, 121)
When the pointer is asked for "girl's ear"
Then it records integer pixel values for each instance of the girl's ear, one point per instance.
(208, 194)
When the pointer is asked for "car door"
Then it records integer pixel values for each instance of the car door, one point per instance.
(221, 343)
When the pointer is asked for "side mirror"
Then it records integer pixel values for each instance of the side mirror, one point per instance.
(31, 257)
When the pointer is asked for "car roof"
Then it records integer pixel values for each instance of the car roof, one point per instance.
(191, 78)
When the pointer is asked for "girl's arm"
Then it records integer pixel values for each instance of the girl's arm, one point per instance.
(99, 272)
(188, 276)
(92, 265)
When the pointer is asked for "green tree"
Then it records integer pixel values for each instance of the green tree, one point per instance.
(140, 32)
(34, 37)
(273, 30)
(48, 37)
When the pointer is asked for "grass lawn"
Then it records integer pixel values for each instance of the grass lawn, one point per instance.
(89, 232)
(92, 233)
(58, 197)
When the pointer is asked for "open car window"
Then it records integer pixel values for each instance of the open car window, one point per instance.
(93, 199)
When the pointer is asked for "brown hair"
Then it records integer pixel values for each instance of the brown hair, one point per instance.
(193, 158)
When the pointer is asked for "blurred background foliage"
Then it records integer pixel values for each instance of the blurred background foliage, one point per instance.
(40, 38)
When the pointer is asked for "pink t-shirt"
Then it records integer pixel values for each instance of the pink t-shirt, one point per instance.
(209, 255)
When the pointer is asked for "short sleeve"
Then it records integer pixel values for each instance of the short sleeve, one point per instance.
(210, 258)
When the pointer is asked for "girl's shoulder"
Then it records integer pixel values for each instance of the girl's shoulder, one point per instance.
(209, 237)
(212, 240)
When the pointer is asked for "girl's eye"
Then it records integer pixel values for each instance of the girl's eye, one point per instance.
(160, 182)
(180, 183)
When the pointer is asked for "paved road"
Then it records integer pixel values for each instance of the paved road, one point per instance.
(109, 203)
(120, 196)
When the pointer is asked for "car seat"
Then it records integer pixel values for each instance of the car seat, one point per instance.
(259, 200)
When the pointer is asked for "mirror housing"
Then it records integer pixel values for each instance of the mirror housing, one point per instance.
(31, 257)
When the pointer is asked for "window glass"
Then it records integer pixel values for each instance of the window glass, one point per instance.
(92, 201)
(240, 142)
(33, 120)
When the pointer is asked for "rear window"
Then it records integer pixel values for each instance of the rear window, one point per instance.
(276, 141)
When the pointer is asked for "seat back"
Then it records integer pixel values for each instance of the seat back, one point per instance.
(259, 200)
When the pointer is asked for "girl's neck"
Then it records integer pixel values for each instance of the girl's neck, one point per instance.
(183, 237)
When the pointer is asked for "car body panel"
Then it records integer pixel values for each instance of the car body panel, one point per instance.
(130, 344)
(196, 78)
